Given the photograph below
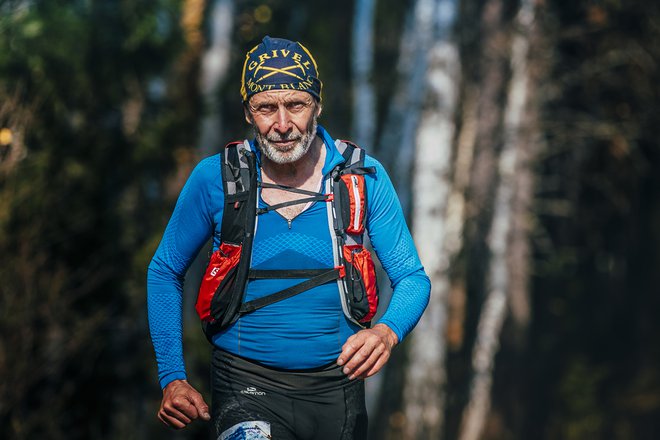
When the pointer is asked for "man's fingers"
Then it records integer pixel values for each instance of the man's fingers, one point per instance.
(348, 349)
(183, 414)
(369, 360)
(185, 405)
(201, 407)
(173, 418)
(355, 344)
(365, 353)
(354, 355)
(375, 368)
(181, 405)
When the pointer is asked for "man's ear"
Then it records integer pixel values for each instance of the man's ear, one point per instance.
(319, 109)
(246, 112)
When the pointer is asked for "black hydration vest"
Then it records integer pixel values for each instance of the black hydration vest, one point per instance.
(220, 299)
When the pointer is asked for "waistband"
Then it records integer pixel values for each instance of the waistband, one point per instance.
(233, 368)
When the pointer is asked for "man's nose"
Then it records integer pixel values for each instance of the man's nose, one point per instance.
(283, 119)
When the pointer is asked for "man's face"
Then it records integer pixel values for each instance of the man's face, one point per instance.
(284, 123)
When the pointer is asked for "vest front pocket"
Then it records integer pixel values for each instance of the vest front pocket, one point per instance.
(219, 274)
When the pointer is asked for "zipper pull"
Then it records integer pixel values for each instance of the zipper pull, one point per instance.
(289, 222)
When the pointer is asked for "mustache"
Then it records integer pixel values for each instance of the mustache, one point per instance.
(275, 137)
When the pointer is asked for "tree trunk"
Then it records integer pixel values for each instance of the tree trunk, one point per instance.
(456, 212)
(398, 140)
(364, 96)
(213, 71)
(499, 279)
(215, 65)
(425, 379)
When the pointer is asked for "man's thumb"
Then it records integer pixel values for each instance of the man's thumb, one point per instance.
(202, 407)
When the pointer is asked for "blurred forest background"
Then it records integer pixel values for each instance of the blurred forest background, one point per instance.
(520, 135)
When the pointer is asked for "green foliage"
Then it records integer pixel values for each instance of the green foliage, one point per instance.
(581, 406)
(74, 351)
(595, 286)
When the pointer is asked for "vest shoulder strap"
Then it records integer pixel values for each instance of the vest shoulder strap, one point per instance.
(350, 192)
(239, 181)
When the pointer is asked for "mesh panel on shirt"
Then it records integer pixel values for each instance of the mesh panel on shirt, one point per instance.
(311, 247)
(400, 261)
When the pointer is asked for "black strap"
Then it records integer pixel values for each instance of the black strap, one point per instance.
(315, 196)
(358, 170)
(258, 274)
(288, 188)
(256, 304)
(338, 217)
(323, 197)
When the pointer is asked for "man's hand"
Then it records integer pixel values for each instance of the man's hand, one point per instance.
(365, 353)
(181, 405)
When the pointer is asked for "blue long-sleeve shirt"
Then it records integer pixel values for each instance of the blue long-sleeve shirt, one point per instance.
(309, 329)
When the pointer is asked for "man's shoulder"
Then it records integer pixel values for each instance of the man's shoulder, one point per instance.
(207, 170)
(209, 162)
(369, 159)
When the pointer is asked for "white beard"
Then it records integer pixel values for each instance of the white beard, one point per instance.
(291, 154)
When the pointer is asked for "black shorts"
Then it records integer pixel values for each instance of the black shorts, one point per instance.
(251, 401)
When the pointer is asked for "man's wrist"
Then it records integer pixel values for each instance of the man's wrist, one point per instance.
(171, 377)
(391, 336)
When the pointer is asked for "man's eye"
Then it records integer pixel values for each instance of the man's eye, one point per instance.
(295, 106)
(266, 108)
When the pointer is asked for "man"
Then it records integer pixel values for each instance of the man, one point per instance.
(293, 367)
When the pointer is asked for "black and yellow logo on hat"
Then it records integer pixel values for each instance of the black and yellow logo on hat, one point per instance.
(279, 68)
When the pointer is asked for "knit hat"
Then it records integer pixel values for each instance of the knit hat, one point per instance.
(279, 64)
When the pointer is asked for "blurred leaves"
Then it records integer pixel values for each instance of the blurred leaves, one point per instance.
(76, 210)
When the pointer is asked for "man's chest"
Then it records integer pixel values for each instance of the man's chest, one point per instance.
(275, 197)
(304, 242)
(294, 203)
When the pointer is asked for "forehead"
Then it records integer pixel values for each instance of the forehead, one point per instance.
(280, 96)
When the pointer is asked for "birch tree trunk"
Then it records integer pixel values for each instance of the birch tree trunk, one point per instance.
(456, 216)
(213, 71)
(530, 145)
(364, 126)
(424, 393)
(499, 275)
(364, 96)
(214, 68)
(398, 140)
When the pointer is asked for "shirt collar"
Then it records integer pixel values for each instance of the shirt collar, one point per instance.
(332, 157)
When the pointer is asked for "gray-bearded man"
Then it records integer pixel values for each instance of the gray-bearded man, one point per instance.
(290, 292)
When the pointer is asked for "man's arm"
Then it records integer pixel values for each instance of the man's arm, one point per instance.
(366, 352)
(191, 224)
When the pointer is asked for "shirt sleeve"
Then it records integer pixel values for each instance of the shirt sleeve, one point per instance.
(190, 226)
(394, 246)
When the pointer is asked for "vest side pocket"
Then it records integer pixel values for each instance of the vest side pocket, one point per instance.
(219, 273)
(355, 194)
(362, 289)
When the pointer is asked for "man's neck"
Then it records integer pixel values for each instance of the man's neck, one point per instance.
(297, 173)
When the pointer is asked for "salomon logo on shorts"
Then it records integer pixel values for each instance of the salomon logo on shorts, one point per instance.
(253, 391)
